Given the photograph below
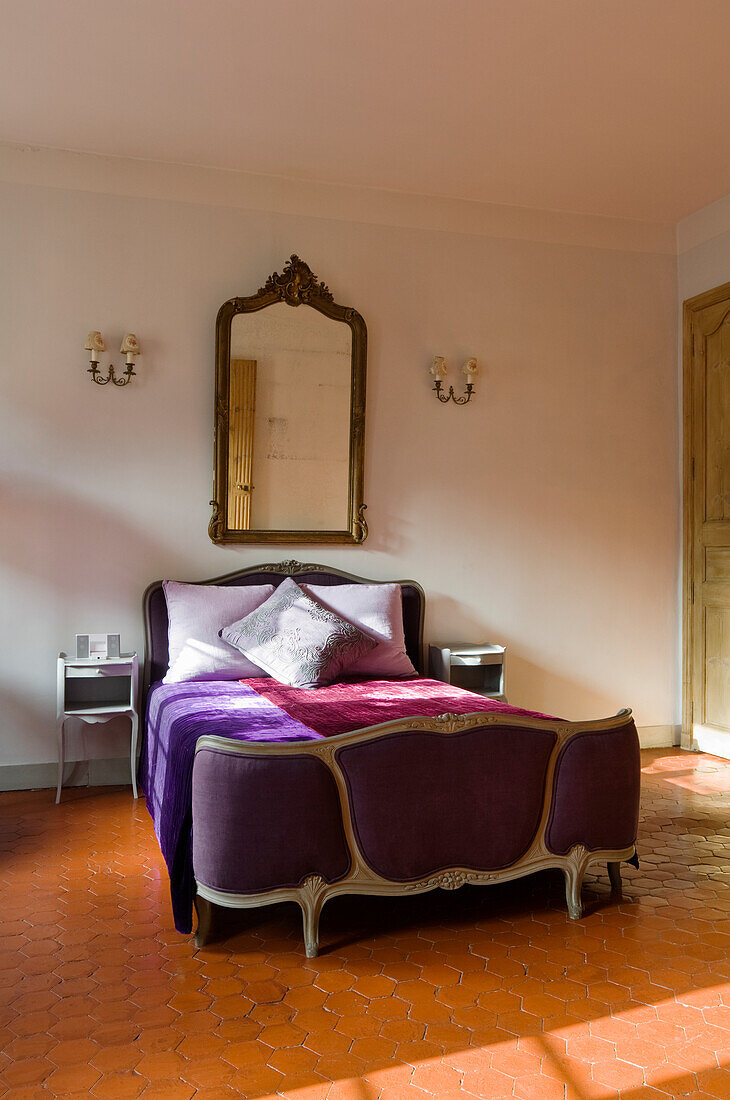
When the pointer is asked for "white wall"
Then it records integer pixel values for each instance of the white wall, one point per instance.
(544, 515)
(703, 245)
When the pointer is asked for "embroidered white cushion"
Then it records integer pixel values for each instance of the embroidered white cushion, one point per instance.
(196, 613)
(298, 640)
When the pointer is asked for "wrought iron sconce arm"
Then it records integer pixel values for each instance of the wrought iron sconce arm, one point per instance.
(103, 380)
(451, 396)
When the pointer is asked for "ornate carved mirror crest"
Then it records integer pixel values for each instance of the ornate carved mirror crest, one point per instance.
(289, 415)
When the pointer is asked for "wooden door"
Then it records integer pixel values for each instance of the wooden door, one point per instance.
(706, 717)
(241, 411)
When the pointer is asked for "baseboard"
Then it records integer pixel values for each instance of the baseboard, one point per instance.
(658, 737)
(80, 773)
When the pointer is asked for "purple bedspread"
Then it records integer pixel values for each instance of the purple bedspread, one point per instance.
(177, 715)
(355, 704)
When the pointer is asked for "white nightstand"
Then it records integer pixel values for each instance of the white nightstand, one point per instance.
(478, 668)
(96, 690)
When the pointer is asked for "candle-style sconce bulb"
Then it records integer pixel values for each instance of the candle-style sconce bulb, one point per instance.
(94, 344)
(438, 368)
(130, 347)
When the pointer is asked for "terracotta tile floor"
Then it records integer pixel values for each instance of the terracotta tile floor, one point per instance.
(484, 992)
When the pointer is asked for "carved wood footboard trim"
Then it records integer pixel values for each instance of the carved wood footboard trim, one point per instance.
(312, 894)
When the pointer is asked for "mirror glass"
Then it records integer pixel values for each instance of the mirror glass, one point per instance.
(289, 420)
(290, 415)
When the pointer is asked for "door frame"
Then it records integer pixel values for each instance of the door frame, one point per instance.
(690, 307)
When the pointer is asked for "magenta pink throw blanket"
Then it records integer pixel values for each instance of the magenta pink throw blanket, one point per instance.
(352, 705)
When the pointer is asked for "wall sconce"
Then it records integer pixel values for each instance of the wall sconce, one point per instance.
(95, 344)
(439, 370)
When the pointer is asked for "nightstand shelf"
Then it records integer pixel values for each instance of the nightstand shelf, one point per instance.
(478, 668)
(95, 690)
(92, 708)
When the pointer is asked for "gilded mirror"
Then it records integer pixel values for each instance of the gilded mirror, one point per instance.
(289, 415)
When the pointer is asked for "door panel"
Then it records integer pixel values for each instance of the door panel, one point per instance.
(717, 563)
(717, 667)
(707, 520)
(717, 422)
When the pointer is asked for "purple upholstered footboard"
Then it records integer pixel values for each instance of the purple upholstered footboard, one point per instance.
(262, 823)
(422, 802)
(409, 806)
(596, 791)
(261, 710)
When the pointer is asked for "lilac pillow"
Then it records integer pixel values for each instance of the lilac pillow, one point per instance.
(296, 639)
(196, 613)
(377, 609)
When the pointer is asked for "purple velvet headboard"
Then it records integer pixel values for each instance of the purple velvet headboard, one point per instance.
(155, 609)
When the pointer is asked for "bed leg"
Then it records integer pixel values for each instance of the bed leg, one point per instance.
(614, 874)
(572, 893)
(312, 896)
(574, 871)
(310, 922)
(204, 909)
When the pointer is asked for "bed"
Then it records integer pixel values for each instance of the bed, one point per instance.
(262, 793)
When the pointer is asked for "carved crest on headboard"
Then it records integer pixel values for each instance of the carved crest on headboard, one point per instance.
(291, 567)
(297, 283)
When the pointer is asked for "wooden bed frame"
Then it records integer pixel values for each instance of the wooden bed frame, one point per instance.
(616, 735)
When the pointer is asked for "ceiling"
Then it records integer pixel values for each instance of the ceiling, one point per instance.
(614, 107)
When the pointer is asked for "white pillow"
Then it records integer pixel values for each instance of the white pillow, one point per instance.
(377, 609)
(196, 612)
